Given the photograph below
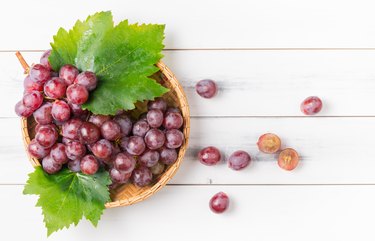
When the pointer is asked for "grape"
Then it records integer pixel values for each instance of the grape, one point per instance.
(206, 88)
(124, 142)
(39, 74)
(89, 133)
(158, 104)
(142, 176)
(23, 111)
(43, 114)
(219, 202)
(75, 150)
(89, 165)
(173, 120)
(174, 138)
(136, 145)
(70, 129)
(125, 124)
(50, 166)
(209, 156)
(77, 94)
(154, 139)
(68, 73)
(172, 110)
(60, 111)
(74, 165)
(110, 130)
(36, 150)
(44, 59)
(86, 79)
(98, 120)
(168, 156)
(157, 169)
(30, 85)
(239, 160)
(311, 105)
(102, 149)
(149, 158)
(55, 88)
(119, 176)
(155, 118)
(124, 162)
(33, 100)
(78, 112)
(66, 141)
(46, 136)
(269, 143)
(140, 128)
(288, 159)
(58, 153)
(38, 126)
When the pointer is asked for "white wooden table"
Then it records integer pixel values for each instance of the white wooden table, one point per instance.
(266, 56)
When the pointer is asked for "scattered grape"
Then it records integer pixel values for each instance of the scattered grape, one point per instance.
(136, 145)
(154, 139)
(55, 88)
(140, 128)
(239, 160)
(288, 159)
(102, 149)
(269, 143)
(168, 156)
(174, 138)
(142, 176)
(89, 165)
(206, 88)
(86, 79)
(89, 133)
(209, 156)
(124, 162)
(68, 73)
(77, 94)
(60, 111)
(110, 130)
(149, 158)
(219, 202)
(39, 74)
(43, 114)
(311, 105)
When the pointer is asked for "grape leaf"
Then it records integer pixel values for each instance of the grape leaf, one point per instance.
(66, 197)
(122, 56)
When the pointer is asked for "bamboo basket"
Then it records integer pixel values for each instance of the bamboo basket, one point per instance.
(129, 194)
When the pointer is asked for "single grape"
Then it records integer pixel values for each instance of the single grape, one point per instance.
(154, 139)
(124, 142)
(46, 136)
(206, 88)
(30, 85)
(38, 126)
(142, 176)
(157, 169)
(288, 159)
(44, 59)
(125, 123)
(50, 166)
(239, 160)
(70, 129)
(311, 105)
(102, 149)
(43, 114)
(155, 118)
(110, 130)
(119, 176)
(173, 138)
(209, 156)
(173, 120)
(86, 79)
(168, 156)
(58, 153)
(39, 74)
(60, 111)
(98, 120)
(33, 100)
(75, 150)
(219, 202)
(55, 88)
(77, 94)
(74, 165)
(89, 133)
(172, 110)
(158, 104)
(269, 143)
(124, 162)
(23, 111)
(149, 158)
(36, 150)
(89, 165)
(140, 128)
(78, 112)
(68, 73)
(136, 145)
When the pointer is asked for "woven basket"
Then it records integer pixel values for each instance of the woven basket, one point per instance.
(129, 194)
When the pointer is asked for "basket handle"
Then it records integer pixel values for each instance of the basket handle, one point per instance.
(23, 62)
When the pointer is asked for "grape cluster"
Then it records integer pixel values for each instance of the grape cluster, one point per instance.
(130, 150)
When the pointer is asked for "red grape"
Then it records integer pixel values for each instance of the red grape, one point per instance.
(78, 112)
(219, 202)
(68, 73)
(89, 133)
(70, 129)
(157, 169)
(30, 85)
(119, 176)
(110, 130)
(89, 165)
(43, 114)
(66, 141)
(206, 88)
(209, 156)
(125, 123)
(168, 156)
(269, 143)
(58, 153)
(102, 149)
(86, 79)
(33, 100)
(172, 110)
(124, 162)
(23, 111)
(142, 176)
(158, 104)
(36, 150)
(136, 145)
(174, 138)
(74, 165)
(154, 139)
(77, 94)
(288, 159)
(239, 160)
(311, 105)
(149, 158)
(46, 136)
(173, 120)
(50, 166)
(44, 59)
(124, 142)
(140, 128)
(60, 111)
(39, 74)
(75, 150)
(55, 88)
(155, 118)
(98, 120)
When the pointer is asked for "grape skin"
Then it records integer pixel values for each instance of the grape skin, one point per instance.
(89, 165)
(219, 202)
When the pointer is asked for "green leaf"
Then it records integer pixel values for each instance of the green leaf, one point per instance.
(123, 58)
(66, 197)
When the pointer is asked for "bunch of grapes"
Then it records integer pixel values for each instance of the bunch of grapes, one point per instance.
(130, 150)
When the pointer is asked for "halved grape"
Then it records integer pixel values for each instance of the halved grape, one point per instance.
(110, 130)
(173, 120)
(269, 143)
(157, 169)
(239, 160)
(23, 111)
(39, 74)
(140, 128)
(98, 120)
(70, 129)
(168, 156)
(75, 150)
(86, 79)
(158, 104)
(77, 94)
(124, 162)
(154, 139)
(288, 159)
(58, 153)
(68, 73)
(174, 138)
(142, 176)
(46, 136)
(219, 202)
(89, 133)
(43, 114)
(55, 88)
(89, 165)
(311, 105)
(149, 158)
(155, 118)
(36, 150)
(209, 156)
(33, 100)
(125, 123)
(60, 111)
(50, 166)
(44, 59)
(102, 149)
(206, 88)
(136, 145)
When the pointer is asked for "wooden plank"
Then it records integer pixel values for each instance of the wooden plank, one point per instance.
(205, 24)
(260, 213)
(252, 83)
(333, 151)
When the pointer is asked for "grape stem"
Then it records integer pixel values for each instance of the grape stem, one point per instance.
(25, 66)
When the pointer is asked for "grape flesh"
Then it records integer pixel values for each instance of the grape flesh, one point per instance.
(89, 133)
(55, 88)
(125, 124)
(86, 79)
(68, 73)
(136, 145)
(89, 165)
(219, 202)
(155, 118)
(154, 139)
(174, 138)
(30, 85)
(173, 120)
(50, 166)
(142, 176)
(102, 149)
(311, 105)
(46, 136)
(206, 88)
(124, 162)
(98, 120)
(140, 128)
(70, 129)
(239, 160)
(39, 74)
(33, 100)
(75, 150)
(43, 115)
(158, 104)
(60, 111)
(209, 156)
(74, 165)
(157, 169)
(23, 111)
(168, 156)
(77, 94)
(110, 130)
(58, 153)
(44, 59)
(119, 176)
(288, 159)
(36, 150)
(269, 143)
(149, 158)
